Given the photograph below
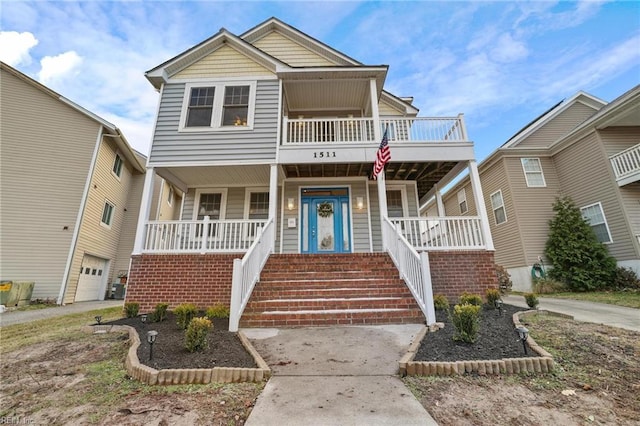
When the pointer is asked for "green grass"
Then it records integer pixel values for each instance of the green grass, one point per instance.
(629, 299)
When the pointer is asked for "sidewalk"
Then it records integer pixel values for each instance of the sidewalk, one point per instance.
(599, 313)
(18, 317)
(324, 376)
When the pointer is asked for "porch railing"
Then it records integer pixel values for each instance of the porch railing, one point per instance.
(361, 130)
(201, 236)
(442, 233)
(246, 272)
(413, 267)
(626, 163)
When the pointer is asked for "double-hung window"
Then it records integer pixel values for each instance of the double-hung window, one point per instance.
(462, 201)
(218, 106)
(533, 172)
(107, 214)
(395, 203)
(497, 204)
(595, 216)
(257, 208)
(117, 166)
(210, 203)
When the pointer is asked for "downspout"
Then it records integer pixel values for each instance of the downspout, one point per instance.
(76, 230)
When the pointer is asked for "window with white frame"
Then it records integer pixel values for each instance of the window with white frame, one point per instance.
(533, 172)
(118, 163)
(170, 196)
(256, 208)
(395, 203)
(210, 203)
(107, 214)
(497, 204)
(218, 106)
(462, 201)
(595, 216)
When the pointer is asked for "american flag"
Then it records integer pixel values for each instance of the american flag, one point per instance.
(383, 155)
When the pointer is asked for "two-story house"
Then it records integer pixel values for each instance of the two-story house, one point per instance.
(272, 136)
(70, 197)
(582, 147)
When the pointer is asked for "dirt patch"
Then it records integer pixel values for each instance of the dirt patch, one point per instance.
(596, 381)
(225, 348)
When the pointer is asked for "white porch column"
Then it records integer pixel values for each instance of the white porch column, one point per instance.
(273, 199)
(439, 203)
(479, 200)
(145, 208)
(377, 132)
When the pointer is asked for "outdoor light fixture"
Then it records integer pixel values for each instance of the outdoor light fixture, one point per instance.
(99, 319)
(151, 338)
(290, 204)
(498, 304)
(359, 203)
(143, 318)
(523, 333)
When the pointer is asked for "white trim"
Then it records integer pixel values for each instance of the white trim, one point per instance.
(606, 224)
(493, 208)
(217, 108)
(211, 163)
(526, 173)
(366, 190)
(217, 80)
(223, 200)
(76, 229)
(111, 216)
(462, 198)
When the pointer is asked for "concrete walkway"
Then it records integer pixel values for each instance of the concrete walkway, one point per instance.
(18, 317)
(599, 313)
(336, 376)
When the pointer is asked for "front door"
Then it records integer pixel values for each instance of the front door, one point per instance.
(325, 218)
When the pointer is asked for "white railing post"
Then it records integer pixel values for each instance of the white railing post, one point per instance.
(427, 288)
(204, 240)
(236, 296)
(401, 258)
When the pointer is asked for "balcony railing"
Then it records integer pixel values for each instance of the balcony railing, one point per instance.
(361, 130)
(442, 233)
(201, 236)
(626, 163)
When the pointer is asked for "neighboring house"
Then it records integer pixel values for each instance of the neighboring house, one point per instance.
(70, 198)
(583, 148)
(271, 136)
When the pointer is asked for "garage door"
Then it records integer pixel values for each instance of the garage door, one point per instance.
(91, 282)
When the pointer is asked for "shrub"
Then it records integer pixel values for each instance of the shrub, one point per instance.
(471, 299)
(492, 295)
(184, 314)
(465, 318)
(160, 312)
(196, 335)
(131, 309)
(504, 279)
(218, 311)
(532, 300)
(577, 257)
(440, 302)
(625, 279)
(548, 285)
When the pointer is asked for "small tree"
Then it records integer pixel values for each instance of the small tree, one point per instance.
(578, 258)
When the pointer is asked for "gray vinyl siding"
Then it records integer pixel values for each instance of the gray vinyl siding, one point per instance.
(630, 195)
(258, 144)
(129, 225)
(559, 126)
(585, 165)
(617, 139)
(451, 205)
(47, 148)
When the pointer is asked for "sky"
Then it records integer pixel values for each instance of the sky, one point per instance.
(500, 63)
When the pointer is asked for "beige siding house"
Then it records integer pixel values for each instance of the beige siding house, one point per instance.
(582, 147)
(71, 188)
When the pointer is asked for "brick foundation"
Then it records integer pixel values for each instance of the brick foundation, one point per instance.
(456, 272)
(201, 279)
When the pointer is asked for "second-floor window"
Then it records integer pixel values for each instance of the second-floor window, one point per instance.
(117, 166)
(497, 204)
(462, 201)
(218, 106)
(107, 214)
(533, 172)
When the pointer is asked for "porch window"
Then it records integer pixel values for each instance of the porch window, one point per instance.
(170, 196)
(462, 201)
(107, 214)
(533, 172)
(395, 204)
(117, 166)
(236, 106)
(210, 205)
(497, 204)
(258, 208)
(595, 216)
(200, 107)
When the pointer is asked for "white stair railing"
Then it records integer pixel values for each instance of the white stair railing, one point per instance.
(246, 272)
(413, 267)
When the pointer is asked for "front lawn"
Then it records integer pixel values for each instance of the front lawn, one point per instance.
(621, 298)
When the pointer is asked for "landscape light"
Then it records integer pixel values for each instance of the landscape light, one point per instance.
(98, 319)
(498, 304)
(143, 318)
(151, 338)
(523, 333)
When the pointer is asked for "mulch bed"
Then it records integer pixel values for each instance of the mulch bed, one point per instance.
(496, 339)
(225, 348)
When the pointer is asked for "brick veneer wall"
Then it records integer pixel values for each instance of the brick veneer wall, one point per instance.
(201, 279)
(455, 272)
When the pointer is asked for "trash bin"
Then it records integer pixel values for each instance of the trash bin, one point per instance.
(24, 292)
(117, 291)
(10, 294)
(5, 291)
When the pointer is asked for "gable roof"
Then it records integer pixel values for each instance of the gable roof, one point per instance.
(110, 128)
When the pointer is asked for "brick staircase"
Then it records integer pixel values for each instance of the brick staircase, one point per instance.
(339, 289)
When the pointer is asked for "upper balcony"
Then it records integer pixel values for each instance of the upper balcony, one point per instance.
(626, 165)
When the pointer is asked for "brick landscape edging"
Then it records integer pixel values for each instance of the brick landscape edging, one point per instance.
(151, 376)
(540, 364)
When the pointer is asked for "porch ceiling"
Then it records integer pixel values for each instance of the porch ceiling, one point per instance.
(249, 175)
(426, 174)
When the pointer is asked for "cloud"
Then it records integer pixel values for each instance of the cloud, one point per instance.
(509, 50)
(55, 67)
(15, 47)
